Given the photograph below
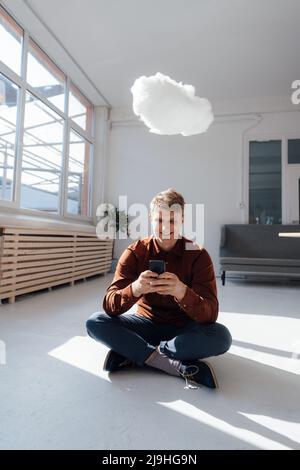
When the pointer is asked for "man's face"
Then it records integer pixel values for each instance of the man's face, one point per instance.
(166, 223)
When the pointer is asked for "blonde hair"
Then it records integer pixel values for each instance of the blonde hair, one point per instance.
(169, 197)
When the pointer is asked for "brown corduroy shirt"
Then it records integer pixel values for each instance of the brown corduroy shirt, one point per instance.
(193, 266)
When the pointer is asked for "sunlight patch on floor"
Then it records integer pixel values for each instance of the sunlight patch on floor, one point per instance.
(249, 437)
(291, 429)
(288, 364)
(84, 353)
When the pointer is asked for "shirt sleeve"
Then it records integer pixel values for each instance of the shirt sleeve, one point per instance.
(119, 296)
(200, 301)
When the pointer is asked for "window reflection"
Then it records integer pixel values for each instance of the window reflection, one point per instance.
(44, 76)
(80, 109)
(8, 121)
(78, 173)
(265, 182)
(42, 156)
(11, 38)
(293, 151)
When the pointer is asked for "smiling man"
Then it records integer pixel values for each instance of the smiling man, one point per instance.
(175, 325)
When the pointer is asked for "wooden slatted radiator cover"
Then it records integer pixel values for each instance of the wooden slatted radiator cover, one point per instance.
(33, 259)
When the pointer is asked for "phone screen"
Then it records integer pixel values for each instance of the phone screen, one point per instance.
(157, 265)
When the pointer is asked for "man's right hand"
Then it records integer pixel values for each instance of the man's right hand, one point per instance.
(143, 284)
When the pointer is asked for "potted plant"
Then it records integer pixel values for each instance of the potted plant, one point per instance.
(118, 221)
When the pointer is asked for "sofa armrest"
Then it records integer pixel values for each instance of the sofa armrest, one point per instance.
(223, 236)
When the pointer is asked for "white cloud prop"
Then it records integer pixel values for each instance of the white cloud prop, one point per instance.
(168, 107)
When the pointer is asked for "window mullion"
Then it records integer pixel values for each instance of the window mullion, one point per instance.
(90, 179)
(20, 123)
(65, 154)
(10, 74)
(44, 100)
(81, 132)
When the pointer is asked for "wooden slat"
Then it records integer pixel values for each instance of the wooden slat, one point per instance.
(83, 260)
(53, 249)
(47, 231)
(7, 259)
(79, 251)
(40, 244)
(27, 264)
(37, 238)
(50, 243)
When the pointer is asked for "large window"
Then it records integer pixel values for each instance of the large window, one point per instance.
(46, 130)
(265, 182)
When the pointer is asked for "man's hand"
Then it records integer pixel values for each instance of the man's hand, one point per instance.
(169, 284)
(143, 283)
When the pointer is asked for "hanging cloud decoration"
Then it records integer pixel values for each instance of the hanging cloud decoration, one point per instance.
(170, 108)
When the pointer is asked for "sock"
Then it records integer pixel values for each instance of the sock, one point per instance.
(159, 360)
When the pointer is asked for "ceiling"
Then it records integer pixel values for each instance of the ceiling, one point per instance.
(227, 49)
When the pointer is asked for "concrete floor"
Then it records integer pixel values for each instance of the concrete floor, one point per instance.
(54, 395)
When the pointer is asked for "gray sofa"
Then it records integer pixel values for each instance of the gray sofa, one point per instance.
(258, 250)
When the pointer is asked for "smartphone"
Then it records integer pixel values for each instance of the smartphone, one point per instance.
(157, 265)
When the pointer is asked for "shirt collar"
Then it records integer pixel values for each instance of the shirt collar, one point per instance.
(176, 250)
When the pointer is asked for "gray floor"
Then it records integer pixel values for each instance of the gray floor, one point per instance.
(54, 394)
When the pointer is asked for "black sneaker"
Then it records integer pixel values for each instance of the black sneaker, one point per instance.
(198, 372)
(115, 361)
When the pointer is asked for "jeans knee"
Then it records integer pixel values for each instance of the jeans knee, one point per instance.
(95, 321)
(225, 338)
(89, 325)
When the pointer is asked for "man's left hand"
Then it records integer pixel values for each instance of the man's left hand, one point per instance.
(169, 284)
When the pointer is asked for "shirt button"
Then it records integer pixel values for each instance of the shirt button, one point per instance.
(184, 305)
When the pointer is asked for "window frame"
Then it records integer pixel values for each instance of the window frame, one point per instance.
(6, 202)
(283, 137)
(71, 87)
(69, 124)
(89, 176)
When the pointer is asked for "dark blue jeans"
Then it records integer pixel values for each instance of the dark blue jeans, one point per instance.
(136, 337)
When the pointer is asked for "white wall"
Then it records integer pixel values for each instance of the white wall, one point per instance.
(205, 168)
